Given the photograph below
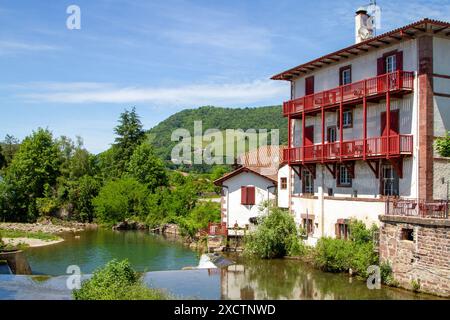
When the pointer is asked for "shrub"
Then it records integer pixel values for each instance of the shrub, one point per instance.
(199, 217)
(443, 145)
(386, 275)
(274, 236)
(332, 255)
(119, 200)
(116, 281)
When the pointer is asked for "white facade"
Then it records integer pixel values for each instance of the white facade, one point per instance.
(233, 212)
(362, 200)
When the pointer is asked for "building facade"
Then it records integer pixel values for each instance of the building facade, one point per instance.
(361, 128)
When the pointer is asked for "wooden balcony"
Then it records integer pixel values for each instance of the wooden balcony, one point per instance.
(399, 82)
(373, 148)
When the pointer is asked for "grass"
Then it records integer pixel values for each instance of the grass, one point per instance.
(25, 234)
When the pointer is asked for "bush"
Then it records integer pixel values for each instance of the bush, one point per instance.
(116, 281)
(443, 145)
(119, 200)
(275, 236)
(338, 255)
(332, 255)
(199, 217)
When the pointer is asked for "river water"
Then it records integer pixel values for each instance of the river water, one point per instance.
(162, 259)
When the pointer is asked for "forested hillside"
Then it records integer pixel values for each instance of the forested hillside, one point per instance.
(218, 118)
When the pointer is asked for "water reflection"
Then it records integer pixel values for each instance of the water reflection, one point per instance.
(294, 280)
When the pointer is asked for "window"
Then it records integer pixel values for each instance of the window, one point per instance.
(391, 63)
(309, 85)
(248, 195)
(407, 234)
(342, 230)
(345, 75)
(308, 226)
(283, 183)
(389, 181)
(331, 134)
(344, 178)
(347, 119)
(308, 182)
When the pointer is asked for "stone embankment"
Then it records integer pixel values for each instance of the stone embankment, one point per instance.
(47, 227)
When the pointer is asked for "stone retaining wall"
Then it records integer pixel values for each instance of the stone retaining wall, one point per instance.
(424, 261)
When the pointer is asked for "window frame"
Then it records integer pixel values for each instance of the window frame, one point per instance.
(283, 183)
(393, 63)
(350, 123)
(342, 72)
(307, 176)
(329, 129)
(249, 200)
(308, 225)
(339, 182)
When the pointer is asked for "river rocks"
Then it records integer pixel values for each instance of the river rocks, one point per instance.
(47, 226)
(130, 225)
(171, 228)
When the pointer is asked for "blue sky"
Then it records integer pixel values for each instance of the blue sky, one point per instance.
(163, 56)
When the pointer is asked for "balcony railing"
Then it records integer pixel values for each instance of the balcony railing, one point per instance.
(436, 209)
(374, 148)
(217, 229)
(395, 81)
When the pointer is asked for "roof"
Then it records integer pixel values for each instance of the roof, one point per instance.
(397, 35)
(264, 156)
(272, 178)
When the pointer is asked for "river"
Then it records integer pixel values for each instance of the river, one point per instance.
(162, 260)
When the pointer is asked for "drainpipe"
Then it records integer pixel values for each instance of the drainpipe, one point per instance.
(228, 204)
(322, 199)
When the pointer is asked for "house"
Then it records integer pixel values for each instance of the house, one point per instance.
(361, 127)
(246, 189)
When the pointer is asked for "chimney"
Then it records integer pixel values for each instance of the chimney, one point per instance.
(363, 27)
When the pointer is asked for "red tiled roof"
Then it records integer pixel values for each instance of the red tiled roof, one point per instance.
(404, 33)
(272, 178)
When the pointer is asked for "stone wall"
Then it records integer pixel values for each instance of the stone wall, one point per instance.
(425, 260)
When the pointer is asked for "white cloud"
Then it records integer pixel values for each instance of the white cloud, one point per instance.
(16, 46)
(190, 95)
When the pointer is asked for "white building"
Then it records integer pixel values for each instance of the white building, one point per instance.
(362, 123)
(247, 189)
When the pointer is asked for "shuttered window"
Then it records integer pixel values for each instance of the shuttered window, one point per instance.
(247, 195)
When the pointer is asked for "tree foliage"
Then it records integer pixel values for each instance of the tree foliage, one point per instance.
(275, 236)
(130, 135)
(120, 199)
(32, 173)
(148, 169)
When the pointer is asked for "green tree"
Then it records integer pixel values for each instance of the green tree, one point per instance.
(81, 194)
(11, 145)
(130, 135)
(2, 158)
(148, 169)
(119, 200)
(199, 217)
(32, 173)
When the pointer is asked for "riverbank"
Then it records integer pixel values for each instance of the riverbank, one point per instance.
(47, 226)
(39, 234)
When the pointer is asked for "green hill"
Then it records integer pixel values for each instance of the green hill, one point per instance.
(217, 118)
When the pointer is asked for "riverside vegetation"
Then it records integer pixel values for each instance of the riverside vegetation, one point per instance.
(277, 236)
(45, 176)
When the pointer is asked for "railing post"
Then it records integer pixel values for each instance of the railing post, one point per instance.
(365, 121)
(323, 133)
(341, 129)
(388, 121)
(289, 139)
(303, 136)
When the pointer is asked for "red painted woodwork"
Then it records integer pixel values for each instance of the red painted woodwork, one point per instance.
(394, 127)
(376, 148)
(309, 85)
(309, 135)
(399, 81)
(244, 195)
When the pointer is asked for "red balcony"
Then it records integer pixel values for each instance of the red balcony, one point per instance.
(395, 82)
(379, 147)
